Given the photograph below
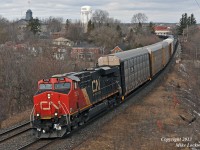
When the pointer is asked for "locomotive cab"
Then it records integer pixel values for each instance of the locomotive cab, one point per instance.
(53, 104)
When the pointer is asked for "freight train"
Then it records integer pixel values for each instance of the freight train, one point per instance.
(66, 101)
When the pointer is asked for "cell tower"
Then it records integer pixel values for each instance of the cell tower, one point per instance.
(86, 14)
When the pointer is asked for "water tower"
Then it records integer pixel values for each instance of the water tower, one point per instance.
(86, 14)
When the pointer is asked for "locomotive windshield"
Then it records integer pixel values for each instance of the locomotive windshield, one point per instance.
(62, 87)
(65, 85)
(57, 87)
(44, 86)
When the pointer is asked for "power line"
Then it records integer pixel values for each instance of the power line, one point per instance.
(197, 3)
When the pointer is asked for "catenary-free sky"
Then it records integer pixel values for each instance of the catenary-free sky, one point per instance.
(156, 10)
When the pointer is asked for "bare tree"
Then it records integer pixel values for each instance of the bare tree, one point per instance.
(75, 32)
(3, 30)
(20, 71)
(54, 24)
(100, 17)
(105, 37)
(139, 18)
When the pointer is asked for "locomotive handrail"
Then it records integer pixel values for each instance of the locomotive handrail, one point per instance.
(32, 114)
(112, 89)
(106, 86)
(67, 117)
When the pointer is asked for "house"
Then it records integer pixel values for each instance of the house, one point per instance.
(56, 35)
(162, 30)
(63, 41)
(85, 53)
(117, 49)
(59, 53)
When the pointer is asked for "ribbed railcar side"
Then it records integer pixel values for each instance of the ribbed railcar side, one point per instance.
(134, 67)
(170, 42)
(156, 57)
(139, 65)
(166, 52)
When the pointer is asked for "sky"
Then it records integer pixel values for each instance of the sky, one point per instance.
(168, 11)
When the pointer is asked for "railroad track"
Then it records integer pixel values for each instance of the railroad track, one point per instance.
(10, 130)
(13, 132)
(37, 144)
(40, 144)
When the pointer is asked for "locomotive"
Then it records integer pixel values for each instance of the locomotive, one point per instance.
(65, 101)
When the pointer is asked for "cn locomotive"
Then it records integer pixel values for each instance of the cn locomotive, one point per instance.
(65, 101)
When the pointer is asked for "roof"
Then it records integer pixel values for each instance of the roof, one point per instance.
(155, 47)
(29, 10)
(130, 53)
(117, 48)
(61, 39)
(161, 28)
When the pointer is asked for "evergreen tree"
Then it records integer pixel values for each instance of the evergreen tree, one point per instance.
(151, 27)
(119, 30)
(130, 36)
(139, 28)
(185, 22)
(67, 24)
(90, 26)
(189, 21)
(34, 26)
(193, 20)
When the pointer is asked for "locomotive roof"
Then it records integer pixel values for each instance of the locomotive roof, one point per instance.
(155, 47)
(76, 76)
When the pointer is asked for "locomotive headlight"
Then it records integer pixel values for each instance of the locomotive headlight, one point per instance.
(48, 96)
(56, 114)
(37, 115)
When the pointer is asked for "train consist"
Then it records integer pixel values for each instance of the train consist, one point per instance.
(65, 101)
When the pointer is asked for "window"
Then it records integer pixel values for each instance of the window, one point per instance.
(44, 86)
(75, 85)
(65, 85)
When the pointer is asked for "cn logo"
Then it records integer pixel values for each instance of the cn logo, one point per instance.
(44, 105)
(96, 85)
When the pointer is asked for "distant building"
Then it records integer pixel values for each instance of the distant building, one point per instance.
(62, 41)
(117, 49)
(86, 14)
(29, 15)
(22, 24)
(56, 35)
(82, 53)
(162, 30)
(60, 53)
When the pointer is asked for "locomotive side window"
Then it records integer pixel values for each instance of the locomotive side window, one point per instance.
(44, 86)
(75, 85)
(65, 85)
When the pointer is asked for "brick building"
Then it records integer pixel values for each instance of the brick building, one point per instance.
(83, 53)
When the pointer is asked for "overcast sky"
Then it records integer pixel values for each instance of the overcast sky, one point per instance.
(156, 10)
